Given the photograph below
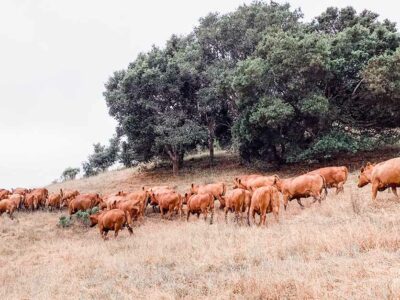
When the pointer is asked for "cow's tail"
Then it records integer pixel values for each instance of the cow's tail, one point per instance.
(223, 189)
(325, 187)
(346, 173)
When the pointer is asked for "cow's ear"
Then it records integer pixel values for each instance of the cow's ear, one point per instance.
(362, 169)
(192, 185)
(368, 164)
(143, 188)
(186, 195)
(240, 181)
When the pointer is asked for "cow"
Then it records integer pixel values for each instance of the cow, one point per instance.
(167, 201)
(140, 198)
(335, 177)
(381, 176)
(84, 202)
(4, 194)
(68, 196)
(303, 186)
(31, 201)
(54, 201)
(20, 191)
(264, 200)
(7, 206)
(243, 180)
(107, 220)
(40, 196)
(254, 183)
(17, 199)
(112, 200)
(215, 189)
(131, 210)
(200, 203)
(235, 201)
(160, 188)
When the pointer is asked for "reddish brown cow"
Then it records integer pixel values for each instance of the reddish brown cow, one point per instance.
(31, 202)
(168, 201)
(20, 191)
(382, 176)
(114, 219)
(40, 196)
(254, 183)
(7, 206)
(84, 202)
(215, 189)
(131, 210)
(243, 180)
(54, 201)
(264, 200)
(235, 201)
(140, 198)
(17, 199)
(304, 186)
(68, 196)
(200, 203)
(4, 194)
(335, 177)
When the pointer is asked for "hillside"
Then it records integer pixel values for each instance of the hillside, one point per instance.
(347, 247)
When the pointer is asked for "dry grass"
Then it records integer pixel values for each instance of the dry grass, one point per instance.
(347, 247)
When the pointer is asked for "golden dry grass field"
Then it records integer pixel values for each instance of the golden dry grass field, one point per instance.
(345, 248)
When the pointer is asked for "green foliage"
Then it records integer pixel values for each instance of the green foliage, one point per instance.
(278, 88)
(65, 221)
(102, 158)
(70, 173)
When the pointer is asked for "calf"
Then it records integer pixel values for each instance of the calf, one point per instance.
(131, 210)
(264, 200)
(200, 203)
(140, 198)
(114, 219)
(54, 201)
(304, 186)
(382, 176)
(168, 201)
(215, 189)
(235, 202)
(335, 177)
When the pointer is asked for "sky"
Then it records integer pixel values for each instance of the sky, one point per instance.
(56, 55)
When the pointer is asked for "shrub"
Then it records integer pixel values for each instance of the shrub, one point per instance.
(65, 221)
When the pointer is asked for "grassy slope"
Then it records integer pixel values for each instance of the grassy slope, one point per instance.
(347, 247)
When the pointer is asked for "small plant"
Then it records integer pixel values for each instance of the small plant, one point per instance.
(83, 217)
(65, 221)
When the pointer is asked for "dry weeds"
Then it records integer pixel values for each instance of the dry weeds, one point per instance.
(347, 247)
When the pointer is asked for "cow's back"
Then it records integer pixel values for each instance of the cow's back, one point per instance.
(387, 172)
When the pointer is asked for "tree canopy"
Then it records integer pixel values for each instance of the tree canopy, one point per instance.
(261, 79)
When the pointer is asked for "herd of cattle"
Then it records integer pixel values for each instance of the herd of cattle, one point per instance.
(252, 194)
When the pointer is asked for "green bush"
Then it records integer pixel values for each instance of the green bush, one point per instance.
(65, 221)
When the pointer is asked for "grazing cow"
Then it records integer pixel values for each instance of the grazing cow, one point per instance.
(243, 180)
(54, 201)
(235, 201)
(107, 220)
(31, 201)
(84, 202)
(256, 182)
(167, 201)
(200, 203)
(215, 189)
(304, 186)
(17, 199)
(68, 196)
(7, 206)
(4, 194)
(20, 191)
(382, 176)
(335, 177)
(264, 200)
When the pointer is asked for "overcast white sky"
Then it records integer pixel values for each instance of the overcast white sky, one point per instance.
(55, 57)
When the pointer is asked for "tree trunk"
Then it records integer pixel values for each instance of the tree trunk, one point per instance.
(211, 136)
(174, 156)
(175, 166)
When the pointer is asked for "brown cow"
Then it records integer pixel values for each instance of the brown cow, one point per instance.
(243, 180)
(335, 177)
(200, 203)
(215, 189)
(304, 186)
(235, 201)
(140, 198)
(84, 202)
(264, 200)
(31, 202)
(40, 196)
(17, 199)
(382, 176)
(7, 206)
(254, 183)
(107, 220)
(20, 191)
(54, 201)
(4, 194)
(167, 201)
(131, 210)
(68, 196)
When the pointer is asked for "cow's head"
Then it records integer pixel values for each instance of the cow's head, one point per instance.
(185, 198)
(194, 188)
(94, 219)
(365, 175)
(278, 182)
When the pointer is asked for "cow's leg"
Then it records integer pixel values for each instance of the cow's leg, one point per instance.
(374, 191)
(162, 212)
(212, 216)
(10, 213)
(275, 211)
(188, 215)
(299, 202)
(263, 217)
(395, 191)
(117, 227)
(198, 215)
(129, 229)
(205, 212)
(226, 214)
(251, 213)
